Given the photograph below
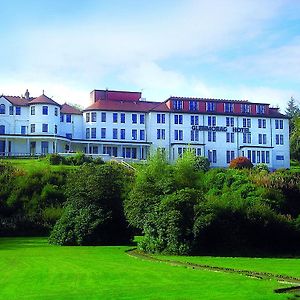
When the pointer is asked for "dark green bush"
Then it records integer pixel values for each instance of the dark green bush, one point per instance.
(202, 163)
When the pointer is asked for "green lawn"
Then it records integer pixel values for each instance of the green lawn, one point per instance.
(277, 266)
(34, 164)
(32, 269)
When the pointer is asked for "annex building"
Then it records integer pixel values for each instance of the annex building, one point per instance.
(122, 124)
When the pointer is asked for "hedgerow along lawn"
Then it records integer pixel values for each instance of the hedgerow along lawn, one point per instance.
(32, 269)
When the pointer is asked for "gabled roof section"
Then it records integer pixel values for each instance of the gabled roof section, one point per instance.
(274, 112)
(113, 105)
(69, 109)
(43, 99)
(16, 100)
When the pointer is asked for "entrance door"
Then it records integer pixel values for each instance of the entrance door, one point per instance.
(32, 148)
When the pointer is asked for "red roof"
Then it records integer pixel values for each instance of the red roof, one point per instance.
(98, 95)
(43, 99)
(17, 101)
(139, 106)
(68, 109)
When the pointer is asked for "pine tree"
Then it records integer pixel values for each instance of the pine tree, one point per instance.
(292, 109)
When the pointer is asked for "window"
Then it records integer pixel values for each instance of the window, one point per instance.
(142, 119)
(32, 128)
(94, 116)
(2, 129)
(194, 135)
(115, 118)
(161, 134)
(177, 104)
(267, 157)
(45, 110)
(247, 138)
(279, 139)
(161, 118)
(229, 137)
(2, 109)
(115, 133)
(134, 134)
(229, 121)
(281, 124)
(18, 110)
(87, 133)
(278, 124)
(32, 110)
(262, 123)
(11, 110)
(262, 139)
(69, 136)
(87, 117)
(134, 118)
(194, 120)
(193, 105)
(178, 135)
(228, 107)
(93, 133)
(45, 147)
(103, 117)
(44, 127)
(122, 134)
(212, 121)
(229, 156)
(260, 109)
(246, 122)
(212, 156)
(279, 157)
(23, 129)
(123, 118)
(56, 111)
(246, 108)
(62, 117)
(211, 136)
(103, 133)
(142, 135)
(178, 119)
(68, 118)
(55, 129)
(210, 106)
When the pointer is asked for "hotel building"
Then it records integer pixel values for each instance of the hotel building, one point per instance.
(122, 124)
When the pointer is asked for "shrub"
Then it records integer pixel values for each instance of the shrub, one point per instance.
(56, 159)
(202, 163)
(241, 163)
(261, 168)
(78, 159)
(94, 211)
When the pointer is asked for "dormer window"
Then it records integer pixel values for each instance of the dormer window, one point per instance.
(177, 104)
(210, 106)
(245, 108)
(193, 105)
(228, 107)
(260, 109)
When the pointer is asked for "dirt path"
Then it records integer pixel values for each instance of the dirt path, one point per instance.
(294, 282)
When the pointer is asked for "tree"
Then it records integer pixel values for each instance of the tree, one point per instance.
(94, 211)
(292, 109)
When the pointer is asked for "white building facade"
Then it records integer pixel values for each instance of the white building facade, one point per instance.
(121, 124)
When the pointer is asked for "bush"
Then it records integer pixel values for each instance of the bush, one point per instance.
(94, 211)
(241, 163)
(56, 159)
(78, 159)
(261, 168)
(202, 163)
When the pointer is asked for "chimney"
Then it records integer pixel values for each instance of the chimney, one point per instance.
(27, 95)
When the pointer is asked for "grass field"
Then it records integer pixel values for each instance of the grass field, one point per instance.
(34, 164)
(32, 269)
(276, 266)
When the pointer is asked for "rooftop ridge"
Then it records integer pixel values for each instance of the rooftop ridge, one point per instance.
(215, 99)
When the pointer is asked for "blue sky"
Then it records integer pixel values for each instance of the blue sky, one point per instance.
(247, 49)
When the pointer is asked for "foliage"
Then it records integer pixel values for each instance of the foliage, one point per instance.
(262, 168)
(202, 163)
(94, 211)
(241, 163)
